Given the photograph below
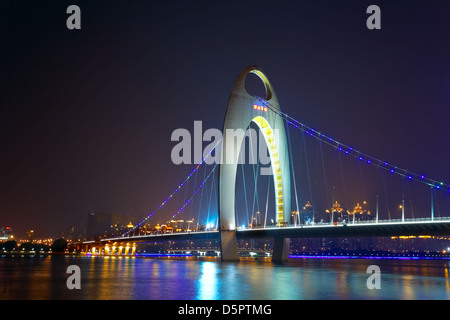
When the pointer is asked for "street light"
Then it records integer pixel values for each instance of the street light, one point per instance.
(402, 206)
(189, 223)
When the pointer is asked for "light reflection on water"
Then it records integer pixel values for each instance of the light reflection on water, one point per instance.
(207, 278)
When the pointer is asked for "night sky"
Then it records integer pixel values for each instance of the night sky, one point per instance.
(86, 115)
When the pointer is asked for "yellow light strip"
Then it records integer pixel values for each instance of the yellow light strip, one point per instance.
(273, 150)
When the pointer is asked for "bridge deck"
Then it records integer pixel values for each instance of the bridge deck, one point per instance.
(413, 228)
(394, 228)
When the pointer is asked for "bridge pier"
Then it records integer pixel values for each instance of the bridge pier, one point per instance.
(228, 246)
(280, 249)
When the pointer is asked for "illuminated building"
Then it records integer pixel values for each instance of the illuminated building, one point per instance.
(30, 235)
(307, 213)
(6, 233)
(335, 209)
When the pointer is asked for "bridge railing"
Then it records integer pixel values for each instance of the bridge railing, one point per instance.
(309, 225)
(349, 223)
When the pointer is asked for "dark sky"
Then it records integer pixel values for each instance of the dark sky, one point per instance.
(86, 115)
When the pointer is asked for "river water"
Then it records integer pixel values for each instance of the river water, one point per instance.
(206, 278)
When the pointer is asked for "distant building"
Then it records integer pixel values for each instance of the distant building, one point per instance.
(74, 232)
(30, 235)
(97, 223)
(101, 223)
(6, 233)
(308, 213)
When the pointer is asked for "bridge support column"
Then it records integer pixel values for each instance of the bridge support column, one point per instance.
(228, 246)
(281, 249)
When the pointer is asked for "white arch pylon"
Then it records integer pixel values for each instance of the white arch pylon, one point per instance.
(243, 109)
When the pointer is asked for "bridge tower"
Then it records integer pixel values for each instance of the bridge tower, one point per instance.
(243, 109)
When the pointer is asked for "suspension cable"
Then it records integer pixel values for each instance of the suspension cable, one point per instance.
(174, 192)
(194, 193)
(355, 153)
(293, 176)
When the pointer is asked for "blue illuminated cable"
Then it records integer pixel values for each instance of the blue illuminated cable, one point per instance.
(175, 191)
(355, 153)
(195, 192)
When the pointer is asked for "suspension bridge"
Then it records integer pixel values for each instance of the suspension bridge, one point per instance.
(311, 185)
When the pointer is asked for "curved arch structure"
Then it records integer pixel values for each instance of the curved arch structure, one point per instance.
(241, 111)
